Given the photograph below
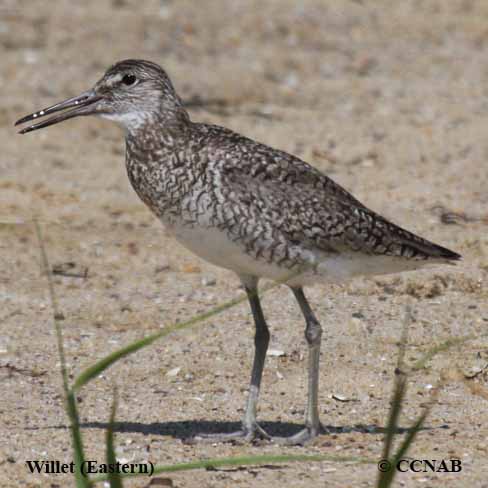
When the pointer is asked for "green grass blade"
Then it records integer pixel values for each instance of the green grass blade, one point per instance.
(114, 479)
(386, 478)
(69, 397)
(245, 461)
(399, 390)
(79, 458)
(54, 306)
(96, 369)
(442, 347)
(265, 459)
(399, 387)
(395, 410)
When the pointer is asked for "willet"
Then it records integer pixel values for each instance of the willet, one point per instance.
(246, 207)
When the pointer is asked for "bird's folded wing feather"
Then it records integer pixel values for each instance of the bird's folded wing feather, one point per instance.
(309, 208)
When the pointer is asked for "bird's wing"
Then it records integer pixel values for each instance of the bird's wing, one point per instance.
(307, 207)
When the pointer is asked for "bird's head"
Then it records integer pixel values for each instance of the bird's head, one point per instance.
(131, 92)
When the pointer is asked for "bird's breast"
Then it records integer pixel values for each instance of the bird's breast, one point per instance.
(160, 180)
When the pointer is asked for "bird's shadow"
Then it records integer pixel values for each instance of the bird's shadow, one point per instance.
(184, 430)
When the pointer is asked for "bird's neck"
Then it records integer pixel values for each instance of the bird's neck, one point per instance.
(136, 124)
(151, 146)
(156, 163)
(157, 131)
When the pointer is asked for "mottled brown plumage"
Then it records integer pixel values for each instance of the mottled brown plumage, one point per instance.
(250, 183)
(245, 206)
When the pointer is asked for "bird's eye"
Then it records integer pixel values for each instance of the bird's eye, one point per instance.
(129, 80)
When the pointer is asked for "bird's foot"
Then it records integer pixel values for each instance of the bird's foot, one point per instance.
(245, 435)
(301, 438)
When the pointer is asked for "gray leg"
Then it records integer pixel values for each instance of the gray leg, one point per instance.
(250, 428)
(261, 341)
(313, 334)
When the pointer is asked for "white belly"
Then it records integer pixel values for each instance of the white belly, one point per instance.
(215, 247)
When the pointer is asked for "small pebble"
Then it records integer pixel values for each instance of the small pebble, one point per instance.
(342, 398)
(190, 268)
(209, 280)
(275, 353)
(162, 267)
(173, 372)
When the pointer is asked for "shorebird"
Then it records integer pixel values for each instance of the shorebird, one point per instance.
(244, 206)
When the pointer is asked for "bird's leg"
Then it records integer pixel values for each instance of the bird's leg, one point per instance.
(313, 333)
(261, 341)
(250, 428)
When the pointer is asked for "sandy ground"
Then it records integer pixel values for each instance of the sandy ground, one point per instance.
(388, 98)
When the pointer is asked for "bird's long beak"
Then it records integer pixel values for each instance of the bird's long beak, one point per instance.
(83, 104)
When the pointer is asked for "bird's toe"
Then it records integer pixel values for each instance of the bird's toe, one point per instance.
(243, 436)
(305, 436)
